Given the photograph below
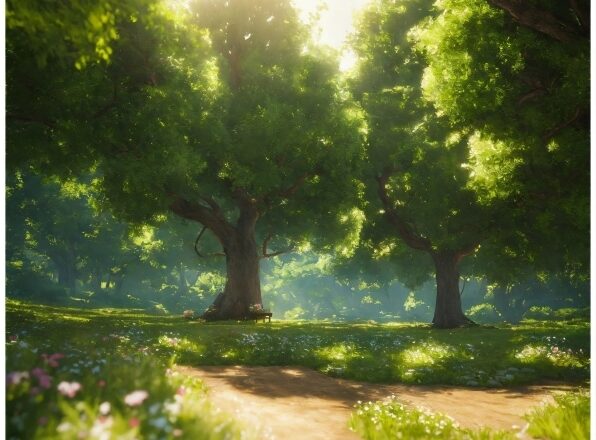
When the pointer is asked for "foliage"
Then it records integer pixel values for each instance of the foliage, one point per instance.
(390, 419)
(567, 418)
(96, 385)
(484, 314)
(523, 92)
(417, 151)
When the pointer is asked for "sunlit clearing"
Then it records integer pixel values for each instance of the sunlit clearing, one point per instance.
(426, 354)
(335, 23)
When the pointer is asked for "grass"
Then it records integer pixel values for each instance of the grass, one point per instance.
(567, 419)
(116, 345)
(390, 419)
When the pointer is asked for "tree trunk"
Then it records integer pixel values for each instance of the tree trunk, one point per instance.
(448, 311)
(243, 286)
(182, 284)
(67, 276)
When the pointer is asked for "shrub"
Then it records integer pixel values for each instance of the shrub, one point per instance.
(484, 314)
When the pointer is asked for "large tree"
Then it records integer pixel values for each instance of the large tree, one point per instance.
(419, 199)
(517, 73)
(226, 118)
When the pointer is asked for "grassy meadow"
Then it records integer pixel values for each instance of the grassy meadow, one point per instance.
(99, 373)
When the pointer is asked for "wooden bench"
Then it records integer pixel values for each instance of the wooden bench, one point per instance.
(260, 315)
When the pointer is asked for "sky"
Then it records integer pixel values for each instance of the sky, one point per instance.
(336, 23)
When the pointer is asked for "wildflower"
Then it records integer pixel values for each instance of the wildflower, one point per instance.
(69, 389)
(105, 408)
(181, 391)
(52, 360)
(177, 432)
(555, 349)
(136, 397)
(101, 383)
(34, 391)
(134, 422)
(42, 421)
(44, 379)
(16, 377)
(13, 338)
(64, 427)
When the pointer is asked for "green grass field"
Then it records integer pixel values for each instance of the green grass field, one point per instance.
(111, 354)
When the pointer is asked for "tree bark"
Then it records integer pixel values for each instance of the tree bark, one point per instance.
(182, 284)
(243, 286)
(448, 310)
(67, 276)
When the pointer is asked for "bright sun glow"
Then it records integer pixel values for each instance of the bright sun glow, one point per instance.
(335, 24)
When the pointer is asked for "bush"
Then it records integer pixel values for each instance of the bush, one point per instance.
(539, 313)
(545, 313)
(484, 314)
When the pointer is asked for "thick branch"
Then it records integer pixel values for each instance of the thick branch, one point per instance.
(222, 229)
(539, 20)
(551, 133)
(405, 231)
(216, 254)
(286, 192)
(265, 254)
(31, 120)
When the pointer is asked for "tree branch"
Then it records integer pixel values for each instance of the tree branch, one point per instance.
(405, 231)
(216, 254)
(539, 20)
(213, 220)
(583, 15)
(286, 192)
(31, 120)
(272, 254)
(551, 133)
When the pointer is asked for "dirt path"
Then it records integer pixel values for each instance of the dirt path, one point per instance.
(295, 403)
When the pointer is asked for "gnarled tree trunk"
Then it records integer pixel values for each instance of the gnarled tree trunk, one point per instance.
(448, 311)
(243, 287)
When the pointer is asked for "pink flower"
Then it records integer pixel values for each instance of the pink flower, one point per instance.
(34, 391)
(181, 391)
(101, 383)
(52, 360)
(13, 338)
(177, 432)
(42, 421)
(134, 422)
(136, 397)
(15, 377)
(44, 379)
(69, 389)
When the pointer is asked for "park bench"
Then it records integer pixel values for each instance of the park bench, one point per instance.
(260, 314)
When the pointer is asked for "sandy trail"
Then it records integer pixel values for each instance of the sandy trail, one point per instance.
(295, 403)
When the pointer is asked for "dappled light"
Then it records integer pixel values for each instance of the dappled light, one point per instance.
(361, 197)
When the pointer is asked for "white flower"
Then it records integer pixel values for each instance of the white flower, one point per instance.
(64, 427)
(136, 397)
(104, 408)
(69, 389)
